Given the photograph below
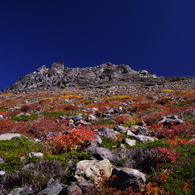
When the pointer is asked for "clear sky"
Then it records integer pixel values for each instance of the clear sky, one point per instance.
(154, 35)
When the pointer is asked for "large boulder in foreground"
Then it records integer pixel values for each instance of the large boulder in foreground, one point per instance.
(92, 170)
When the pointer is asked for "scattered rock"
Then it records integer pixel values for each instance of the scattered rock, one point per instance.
(77, 118)
(91, 118)
(121, 129)
(71, 123)
(84, 123)
(1, 161)
(21, 191)
(130, 142)
(138, 130)
(62, 117)
(142, 138)
(192, 140)
(87, 188)
(94, 144)
(2, 173)
(35, 154)
(171, 120)
(53, 188)
(73, 188)
(101, 153)
(29, 167)
(1, 117)
(129, 133)
(106, 132)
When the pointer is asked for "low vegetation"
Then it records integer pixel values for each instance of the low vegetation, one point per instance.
(169, 161)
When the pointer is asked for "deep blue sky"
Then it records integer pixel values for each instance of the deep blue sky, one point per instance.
(155, 35)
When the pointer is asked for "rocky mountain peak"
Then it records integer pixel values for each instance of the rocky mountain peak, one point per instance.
(58, 65)
(60, 77)
(42, 69)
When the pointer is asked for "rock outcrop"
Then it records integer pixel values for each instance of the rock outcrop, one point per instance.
(60, 77)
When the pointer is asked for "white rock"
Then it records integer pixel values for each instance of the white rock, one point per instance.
(35, 154)
(9, 136)
(20, 114)
(2, 173)
(130, 133)
(1, 161)
(130, 142)
(144, 138)
(92, 117)
(90, 170)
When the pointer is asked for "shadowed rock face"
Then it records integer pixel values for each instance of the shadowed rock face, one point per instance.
(59, 77)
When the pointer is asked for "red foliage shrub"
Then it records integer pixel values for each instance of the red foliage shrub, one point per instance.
(150, 188)
(171, 131)
(3, 113)
(161, 131)
(163, 101)
(75, 139)
(181, 111)
(6, 126)
(185, 129)
(177, 141)
(13, 113)
(166, 154)
(67, 107)
(30, 107)
(124, 119)
(39, 128)
(140, 107)
(153, 117)
(70, 107)
(100, 106)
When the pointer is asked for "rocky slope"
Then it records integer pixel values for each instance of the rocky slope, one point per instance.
(112, 139)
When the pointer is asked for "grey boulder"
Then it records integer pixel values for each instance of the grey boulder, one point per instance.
(53, 188)
(126, 177)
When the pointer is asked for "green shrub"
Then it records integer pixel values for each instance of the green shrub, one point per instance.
(25, 117)
(184, 103)
(158, 143)
(3, 109)
(108, 142)
(53, 114)
(76, 156)
(12, 150)
(89, 100)
(103, 122)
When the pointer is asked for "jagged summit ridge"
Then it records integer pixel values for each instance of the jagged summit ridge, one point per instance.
(60, 77)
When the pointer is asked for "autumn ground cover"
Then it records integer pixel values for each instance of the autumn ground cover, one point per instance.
(169, 161)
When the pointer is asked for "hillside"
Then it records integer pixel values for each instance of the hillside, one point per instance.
(120, 134)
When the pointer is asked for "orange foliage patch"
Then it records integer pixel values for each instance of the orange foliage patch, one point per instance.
(7, 126)
(74, 139)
